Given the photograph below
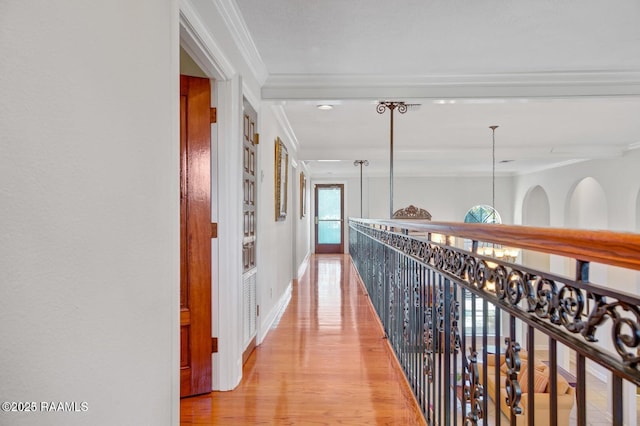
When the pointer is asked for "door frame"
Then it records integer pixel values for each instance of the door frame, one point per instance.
(226, 258)
(334, 248)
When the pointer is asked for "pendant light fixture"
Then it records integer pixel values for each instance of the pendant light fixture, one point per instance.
(497, 251)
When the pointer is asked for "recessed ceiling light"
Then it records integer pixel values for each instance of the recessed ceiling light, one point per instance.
(325, 107)
(506, 161)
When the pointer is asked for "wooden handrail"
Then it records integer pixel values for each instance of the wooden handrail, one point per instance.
(606, 247)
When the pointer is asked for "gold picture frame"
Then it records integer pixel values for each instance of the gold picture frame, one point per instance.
(281, 179)
(303, 195)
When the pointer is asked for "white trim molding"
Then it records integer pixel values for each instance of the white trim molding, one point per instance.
(304, 265)
(508, 85)
(229, 312)
(242, 38)
(283, 120)
(274, 314)
(196, 40)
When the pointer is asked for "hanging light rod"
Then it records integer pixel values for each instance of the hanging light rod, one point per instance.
(361, 163)
(493, 173)
(402, 107)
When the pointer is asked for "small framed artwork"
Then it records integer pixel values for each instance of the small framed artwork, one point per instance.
(281, 177)
(303, 195)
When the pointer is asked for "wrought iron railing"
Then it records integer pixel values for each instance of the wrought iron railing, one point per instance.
(449, 311)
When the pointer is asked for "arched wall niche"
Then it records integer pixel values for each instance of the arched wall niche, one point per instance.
(536, 211)
(535, 208)
(586, 206)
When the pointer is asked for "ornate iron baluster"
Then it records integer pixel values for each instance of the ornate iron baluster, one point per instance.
(473, 391)
(512, 360)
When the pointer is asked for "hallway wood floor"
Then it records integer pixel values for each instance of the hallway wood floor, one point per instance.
(324, 363)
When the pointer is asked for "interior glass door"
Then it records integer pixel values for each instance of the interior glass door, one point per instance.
(329, 222)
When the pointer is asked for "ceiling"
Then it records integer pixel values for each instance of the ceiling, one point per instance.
(560, 79)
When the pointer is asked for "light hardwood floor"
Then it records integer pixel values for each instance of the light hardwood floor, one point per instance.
(325, 362)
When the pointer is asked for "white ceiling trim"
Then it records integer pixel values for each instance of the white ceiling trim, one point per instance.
(519, 85)
(281, 116)
(553, 166)
(250, 96)
(196, 40)
(518, 153)
(234, 21)
(635, 145)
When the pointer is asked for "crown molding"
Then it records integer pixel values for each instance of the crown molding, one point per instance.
(234, 21)
(283, 120)
(552, 166)
(633, 146)
(201, 46)
(506, 85)
(250, 96)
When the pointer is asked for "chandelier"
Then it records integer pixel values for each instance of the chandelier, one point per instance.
(497, 251)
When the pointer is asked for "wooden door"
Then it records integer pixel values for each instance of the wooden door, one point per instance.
(195, 236)
(329, 218)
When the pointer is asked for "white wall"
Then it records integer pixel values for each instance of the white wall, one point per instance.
(275, 238)
(599, 194)
(89, 229)
(447, 198)
(619, 178)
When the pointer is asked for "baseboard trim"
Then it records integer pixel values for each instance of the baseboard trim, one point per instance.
(304, 265)
(275, 313)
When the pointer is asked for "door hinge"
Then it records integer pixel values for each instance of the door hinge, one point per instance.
(257, 310)
(214, 230)
(214, 345)
(214, 115)
(256, 138)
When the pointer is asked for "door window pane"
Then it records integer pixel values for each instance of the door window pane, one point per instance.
(329, 232)
(329, 203)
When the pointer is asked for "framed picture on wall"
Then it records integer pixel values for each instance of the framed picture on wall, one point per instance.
(303, 195)
(281, 177)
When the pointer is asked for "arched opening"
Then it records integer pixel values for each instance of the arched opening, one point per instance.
(535, 212)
